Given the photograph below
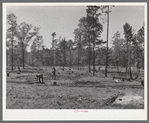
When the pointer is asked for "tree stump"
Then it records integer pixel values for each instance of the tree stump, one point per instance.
(142, 82)
(7, 74)
(54, 83)
(129, 79)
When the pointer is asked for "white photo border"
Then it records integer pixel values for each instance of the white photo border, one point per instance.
(70, 114)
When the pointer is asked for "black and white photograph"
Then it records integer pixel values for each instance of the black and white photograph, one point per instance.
(81, 60)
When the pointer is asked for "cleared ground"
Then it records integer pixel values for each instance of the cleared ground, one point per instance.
(75, 89)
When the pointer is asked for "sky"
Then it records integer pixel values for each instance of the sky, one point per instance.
(64, 19)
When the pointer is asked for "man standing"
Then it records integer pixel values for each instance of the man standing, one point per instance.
(18, 70)
(54, 73)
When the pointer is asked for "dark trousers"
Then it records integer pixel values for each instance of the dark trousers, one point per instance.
(53, 76)
(40, 77)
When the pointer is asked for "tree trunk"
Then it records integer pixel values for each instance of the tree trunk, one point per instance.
(23, 54)
(130, 73)
(28, 59)
(142, 56)
(107, 42)
(6, 60)
(89, 58)
(94, 58)
(38, 57)
(78, 58)
(55, 58)
(53, 46)
(63, 66)
(64, 59)
(127, 57)
(117, 66)
(130, 63)
(12, 52)
(32, 60)
(80, 62)
(138, 64)
(70, 60)
(118, 61)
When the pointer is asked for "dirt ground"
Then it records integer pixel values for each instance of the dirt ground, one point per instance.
(74, 89)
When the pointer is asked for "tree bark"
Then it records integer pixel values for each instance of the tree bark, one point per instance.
(89, 58)
(78, 57)
(23, 54)
(12, 52)
(70, 60)
(107, 42)
(117, 66)
(38, 57)
(64, 59)
(130, 63)
(94, 58)
(32, 59)
(127, 57)
(55, 58)
(53, 52)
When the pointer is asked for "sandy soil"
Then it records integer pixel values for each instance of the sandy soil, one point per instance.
(74, 90)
